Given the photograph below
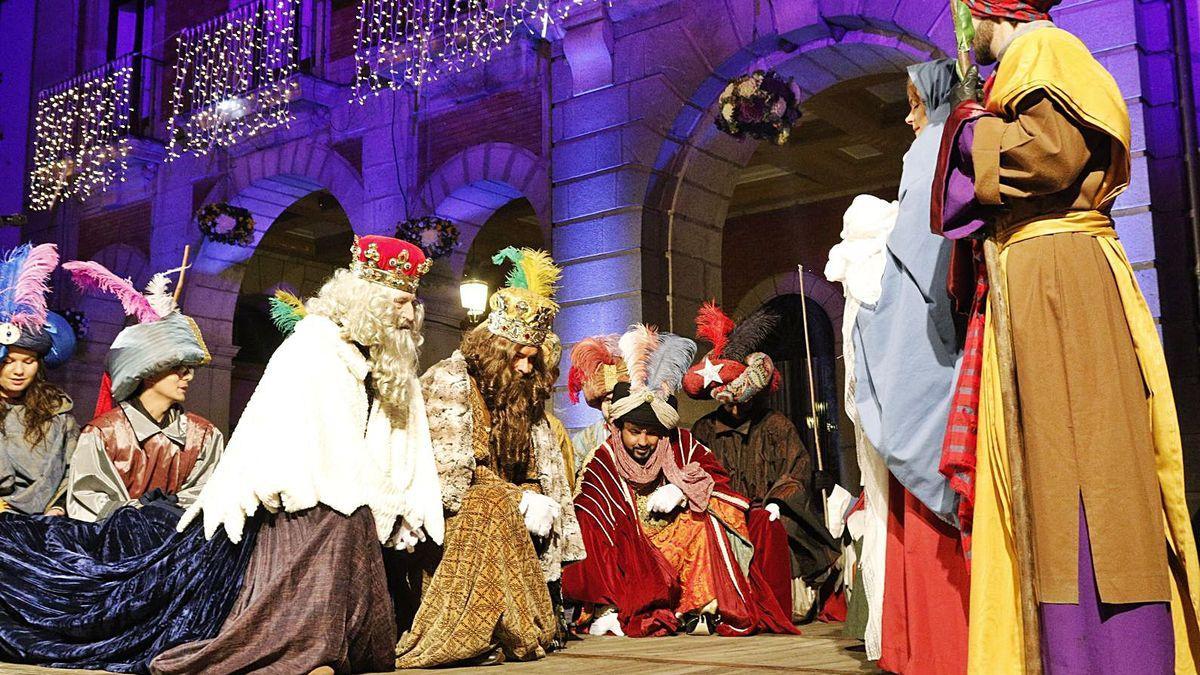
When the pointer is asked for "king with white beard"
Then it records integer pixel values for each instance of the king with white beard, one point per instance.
(334, 446)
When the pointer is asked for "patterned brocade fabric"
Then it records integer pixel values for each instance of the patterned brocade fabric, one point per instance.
(489, 590)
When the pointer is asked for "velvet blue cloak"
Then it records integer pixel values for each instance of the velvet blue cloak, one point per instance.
(112, 595)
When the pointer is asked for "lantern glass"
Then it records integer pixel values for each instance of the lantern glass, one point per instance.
(474, 295)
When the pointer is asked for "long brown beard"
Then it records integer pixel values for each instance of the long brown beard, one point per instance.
(516, 402)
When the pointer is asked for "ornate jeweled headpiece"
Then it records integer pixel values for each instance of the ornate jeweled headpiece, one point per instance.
(524, 310)
(389, 261)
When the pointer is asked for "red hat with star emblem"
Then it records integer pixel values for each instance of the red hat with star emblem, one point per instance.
(733, 372)
(389, 261)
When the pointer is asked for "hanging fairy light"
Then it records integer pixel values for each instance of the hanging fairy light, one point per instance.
(81, 134)
(235, 76)
(418, 41)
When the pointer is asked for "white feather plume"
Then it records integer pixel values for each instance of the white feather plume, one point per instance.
(158, 293)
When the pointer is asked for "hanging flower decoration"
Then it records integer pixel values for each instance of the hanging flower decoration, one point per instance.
(436, 236)
(78, 322)
(761, 105)
(226, 224)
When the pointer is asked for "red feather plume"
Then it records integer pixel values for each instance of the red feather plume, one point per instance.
(586, 358)
(713, 326)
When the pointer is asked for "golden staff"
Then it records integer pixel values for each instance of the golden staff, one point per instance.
(812, 389)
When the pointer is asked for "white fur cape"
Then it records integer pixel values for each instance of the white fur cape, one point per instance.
(306, 438)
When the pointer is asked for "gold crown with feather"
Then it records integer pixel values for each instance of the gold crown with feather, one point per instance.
(524, 310)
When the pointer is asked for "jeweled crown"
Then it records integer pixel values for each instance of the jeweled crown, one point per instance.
(389, 261)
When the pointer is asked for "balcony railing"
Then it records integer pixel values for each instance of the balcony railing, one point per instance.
(418, 41)
(84, 128)
(235, 77)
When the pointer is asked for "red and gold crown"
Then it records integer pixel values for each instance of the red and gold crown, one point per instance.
(389, 261)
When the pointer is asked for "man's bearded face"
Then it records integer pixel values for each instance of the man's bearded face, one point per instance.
(985, 32)
(640, 441)
(523, 361)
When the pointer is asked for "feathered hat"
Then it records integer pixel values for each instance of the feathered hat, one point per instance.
(596, 368)
(656, 363)
(734, 371)
(24, 320)
(162, 339)
(524, 310)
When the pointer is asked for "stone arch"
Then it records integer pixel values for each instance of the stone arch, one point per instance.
(820, 44)
(816, 288)
(266, 183)
(470, 186)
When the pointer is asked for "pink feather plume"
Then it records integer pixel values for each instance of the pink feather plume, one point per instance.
(31, 287)
(92, 276)
(586, 358)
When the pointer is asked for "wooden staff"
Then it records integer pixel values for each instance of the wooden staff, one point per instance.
(187, 250)
(964, 33)
(1015, 442)
(812, 389)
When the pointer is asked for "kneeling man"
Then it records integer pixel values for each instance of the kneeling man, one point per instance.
(666, 535)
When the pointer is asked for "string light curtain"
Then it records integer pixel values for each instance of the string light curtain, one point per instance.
(81, 134)
(418, 41)
(235, 76)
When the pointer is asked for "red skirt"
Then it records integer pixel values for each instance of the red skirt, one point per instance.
(925, 593)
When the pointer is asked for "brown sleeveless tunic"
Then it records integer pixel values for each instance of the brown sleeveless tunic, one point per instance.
(159, 463)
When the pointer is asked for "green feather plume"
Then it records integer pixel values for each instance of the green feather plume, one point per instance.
(286, 311)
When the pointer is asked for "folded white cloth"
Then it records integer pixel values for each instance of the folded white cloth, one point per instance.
(858, 261)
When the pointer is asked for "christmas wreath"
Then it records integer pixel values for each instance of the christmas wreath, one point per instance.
(226, 224)
(436, 236)
(761, 105)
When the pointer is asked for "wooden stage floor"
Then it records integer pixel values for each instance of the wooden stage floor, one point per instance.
(821, 649)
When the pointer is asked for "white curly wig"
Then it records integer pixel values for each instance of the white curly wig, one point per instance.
(368, 315)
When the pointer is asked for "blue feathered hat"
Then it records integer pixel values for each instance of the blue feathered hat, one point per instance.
(24, 320)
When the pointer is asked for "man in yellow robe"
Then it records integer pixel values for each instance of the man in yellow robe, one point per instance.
(1040, 165)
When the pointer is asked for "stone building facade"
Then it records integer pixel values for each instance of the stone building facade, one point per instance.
(602, 133)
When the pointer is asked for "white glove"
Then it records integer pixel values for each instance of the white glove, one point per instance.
(407, 537)
(540, 513)
(665, 499)
(773, 511)
(608, 622)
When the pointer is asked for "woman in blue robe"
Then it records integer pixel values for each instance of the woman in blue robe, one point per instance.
(905, 368)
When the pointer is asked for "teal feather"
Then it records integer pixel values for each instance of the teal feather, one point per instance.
(10, 271)
(286, 312)
(516, 276)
